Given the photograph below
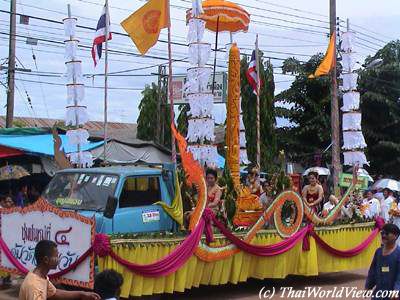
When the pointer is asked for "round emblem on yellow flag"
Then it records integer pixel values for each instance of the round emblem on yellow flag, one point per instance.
(151, 21)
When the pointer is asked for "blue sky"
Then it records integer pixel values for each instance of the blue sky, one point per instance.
(303, 36)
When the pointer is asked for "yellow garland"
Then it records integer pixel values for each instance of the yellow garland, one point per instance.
(233, 113)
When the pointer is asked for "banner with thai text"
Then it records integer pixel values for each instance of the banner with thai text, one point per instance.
(23, 228)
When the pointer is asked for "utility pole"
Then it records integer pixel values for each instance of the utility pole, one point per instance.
(159, 99)
(11, 65)
(162, 97)
(334, 105)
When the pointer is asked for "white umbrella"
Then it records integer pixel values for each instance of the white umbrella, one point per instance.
(362, 173)
(390, 184)
(320, 170)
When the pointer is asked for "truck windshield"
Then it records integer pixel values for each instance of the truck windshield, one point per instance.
(81, 191)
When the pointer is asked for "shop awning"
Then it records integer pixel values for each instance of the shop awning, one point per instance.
(6, 152)
(41, 144)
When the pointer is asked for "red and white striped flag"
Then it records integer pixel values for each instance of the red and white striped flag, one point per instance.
(252, 75)
(100, 35)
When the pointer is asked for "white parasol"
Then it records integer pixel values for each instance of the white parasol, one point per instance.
(386, 183)
(320, 170)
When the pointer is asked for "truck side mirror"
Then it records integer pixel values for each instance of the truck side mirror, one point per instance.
(111, 206)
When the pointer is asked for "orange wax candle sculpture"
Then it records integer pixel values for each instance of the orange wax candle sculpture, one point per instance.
(233, 115)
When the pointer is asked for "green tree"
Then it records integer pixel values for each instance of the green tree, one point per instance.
(307, 108)
(182, 121)
(267, 115)
(380, 105)
(149, 114)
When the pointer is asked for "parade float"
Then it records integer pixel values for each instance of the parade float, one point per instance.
(139, 239)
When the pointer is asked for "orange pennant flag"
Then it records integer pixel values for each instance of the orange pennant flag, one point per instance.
(145, 24)
(327, 63)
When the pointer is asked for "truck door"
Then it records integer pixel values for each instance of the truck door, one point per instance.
(136, 212)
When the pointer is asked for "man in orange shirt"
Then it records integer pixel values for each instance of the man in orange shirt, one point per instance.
(37, 286)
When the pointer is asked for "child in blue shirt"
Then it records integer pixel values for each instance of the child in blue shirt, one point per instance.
(384, 272)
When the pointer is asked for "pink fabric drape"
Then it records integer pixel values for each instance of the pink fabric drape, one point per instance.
(25, 271)
(172, 261)
(269, 250)
(351, 252)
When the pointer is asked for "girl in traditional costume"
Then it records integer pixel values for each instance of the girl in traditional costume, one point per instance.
(313, 193)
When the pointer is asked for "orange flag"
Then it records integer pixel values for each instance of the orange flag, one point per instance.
(327, 63)
(145, 24)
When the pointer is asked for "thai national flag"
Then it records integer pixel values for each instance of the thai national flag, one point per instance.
(100, 36)
(251, 73)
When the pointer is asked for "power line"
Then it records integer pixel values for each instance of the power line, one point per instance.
(26, 104)
(373, 32)
(88, 28)
(185, 8)
(86, 86)
(268, 51)
(254, 21)
(37, 69)
(295, 9)
(258, 8)
(146, 55)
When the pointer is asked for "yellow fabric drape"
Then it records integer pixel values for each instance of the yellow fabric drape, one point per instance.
(241, 266)
(145, 24)
(176, 208)
(327, 63)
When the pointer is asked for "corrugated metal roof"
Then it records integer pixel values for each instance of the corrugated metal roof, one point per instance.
(48, 123)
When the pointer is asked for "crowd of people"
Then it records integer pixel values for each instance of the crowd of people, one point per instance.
(363, 205)
(23, 196)
(367, 204)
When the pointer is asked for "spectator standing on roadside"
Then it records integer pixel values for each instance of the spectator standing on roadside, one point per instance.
(37, 286)
(22, 196)
(107, 284)
(386, 204)
(384, 272)
(6, 202)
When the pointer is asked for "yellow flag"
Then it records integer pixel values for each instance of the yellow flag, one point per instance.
(145, 24)
(327, 63)
(176, 208)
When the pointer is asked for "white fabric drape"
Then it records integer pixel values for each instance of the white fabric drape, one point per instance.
(244, 160)
(349, 81)
(351, 121)
(196, 30)
(348, 39)
(353, 140)
(352, 158)
(78, 136)
(351, 101)
(241, 123)
(205, 154)
(200, 130)
(199, 54)
(201, 105)
(71, 50)
(242, 139)
(197, 80)
(348, 62)
(69, 26)
(75, 92)
(74, 70)
(83, 159)
(76, 115)
(197, 8)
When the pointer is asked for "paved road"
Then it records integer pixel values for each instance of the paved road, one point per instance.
(250, 289)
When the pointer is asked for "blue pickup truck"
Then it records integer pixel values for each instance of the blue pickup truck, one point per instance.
(121, 198)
